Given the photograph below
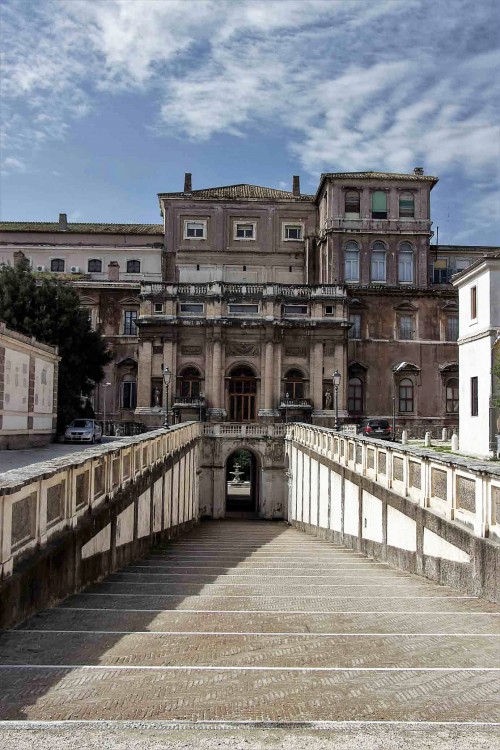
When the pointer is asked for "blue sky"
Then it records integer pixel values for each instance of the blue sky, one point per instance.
(105, 103)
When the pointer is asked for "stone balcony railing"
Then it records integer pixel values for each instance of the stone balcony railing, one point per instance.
(295, 403)
(377, 225)
(231, 429)
(222, 289)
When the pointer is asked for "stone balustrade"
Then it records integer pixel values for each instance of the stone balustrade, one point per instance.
(434, 513)
(228, 429)
(222, 289)
(39, 502)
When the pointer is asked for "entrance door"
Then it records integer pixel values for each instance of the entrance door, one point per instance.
(241, 483)
(242, 395)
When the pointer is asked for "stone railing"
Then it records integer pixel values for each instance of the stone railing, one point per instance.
(369, 224)
(228, 429)
(433, 514)
(223, 289)
(40, 501)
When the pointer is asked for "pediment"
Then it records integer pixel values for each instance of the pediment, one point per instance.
(405, 306)
(406, 367)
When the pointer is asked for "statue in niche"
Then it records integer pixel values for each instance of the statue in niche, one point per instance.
(156, 396)
(328, 400)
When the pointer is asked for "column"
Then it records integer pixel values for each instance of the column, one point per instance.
(268, 384)
(217, 374)
(317, 375)
(144, 375)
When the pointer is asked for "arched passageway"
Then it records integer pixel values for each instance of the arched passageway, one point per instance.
(241, 482)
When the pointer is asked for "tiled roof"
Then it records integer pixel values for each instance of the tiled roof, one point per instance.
(53, 226)
(379, 176)
(242, 191)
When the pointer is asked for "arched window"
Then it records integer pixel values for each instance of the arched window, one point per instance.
(406, 396)
(129, 392)
(378, 262)
(355, 396)
(57, 264)
(351, 204)
(351, 261)
(133, 266)
(452, 396)
(190, 383)
(94, 266)
(406, 206)
(294, 385)
(405, 263)
(379, 205)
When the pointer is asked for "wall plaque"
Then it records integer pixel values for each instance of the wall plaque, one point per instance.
(191, 349)
(295, 351)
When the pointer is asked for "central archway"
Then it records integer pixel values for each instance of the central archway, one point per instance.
(241, 483)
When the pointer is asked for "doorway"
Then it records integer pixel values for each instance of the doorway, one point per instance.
(241, 483)
(242, 395)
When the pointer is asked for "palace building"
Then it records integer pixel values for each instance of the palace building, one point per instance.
(252, 297)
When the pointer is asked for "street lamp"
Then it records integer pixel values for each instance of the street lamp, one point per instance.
(167, 377)
(287, 396)
(336, 377)
(104, 409)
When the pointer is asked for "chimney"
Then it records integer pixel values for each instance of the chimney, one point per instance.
(296, 185)
(113, 271)
(63, 222)
(418, 170)
(187, 182)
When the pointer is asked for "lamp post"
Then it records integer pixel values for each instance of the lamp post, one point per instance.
(105, 385)
(336, 377)
(287, 396)
(167, 376)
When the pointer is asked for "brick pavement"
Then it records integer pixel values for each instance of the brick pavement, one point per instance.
(255, 621)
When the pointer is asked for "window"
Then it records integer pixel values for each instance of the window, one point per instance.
(195, 230)
(329, 309)
(295, 309)
(94, 266)
(405, 264)
(244, 231)
(129, 327)
(473, 303)
(190, 384)
(158, 307)
(352, 204)
(378, 266)
(129, 393)
(452, 328)
(379, 205)
(192, 308)
(57, 264)
(440, 272)
(406, 206)
(351, 261)
(133, 266)
(245, 308)
(355, 330)
(355, 396)
(474, 403)
(293, 231)
(294, 385)
(406, 396)
(452, 396)
(405, 327)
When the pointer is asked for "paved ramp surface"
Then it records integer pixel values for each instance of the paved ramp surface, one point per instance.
(247, 621)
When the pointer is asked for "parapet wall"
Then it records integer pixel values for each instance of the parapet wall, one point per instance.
(70, 521)
(434, 515)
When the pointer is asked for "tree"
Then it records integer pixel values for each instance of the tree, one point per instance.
(50, 311)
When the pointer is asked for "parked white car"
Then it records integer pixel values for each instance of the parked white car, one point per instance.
(83, 430)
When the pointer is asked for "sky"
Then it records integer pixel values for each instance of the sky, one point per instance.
(105, 103)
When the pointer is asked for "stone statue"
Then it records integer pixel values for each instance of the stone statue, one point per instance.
(156, 396)
(328, 400)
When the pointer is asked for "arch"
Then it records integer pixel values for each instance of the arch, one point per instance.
(406, 263)
(242, 394)
(242, 482)
(406, 393)
(294, 384)
(189, 382)
(133, 266)
(351, 261)
(378, 262)
(57, 265)
(94, 265)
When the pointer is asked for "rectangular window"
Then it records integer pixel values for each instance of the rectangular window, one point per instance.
(452, 328)
(405, 327)
(473, 303)
(129, 327)
(355, 330)
(244, 231)
(295, 309)
(195, 230)
(158, 307)
(245, 308)
(293, 231)
(379, 205)
(474, 404)
(129, 395)
(191, 308)
(329, 309)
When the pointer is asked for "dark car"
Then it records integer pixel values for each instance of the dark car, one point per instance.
(379, 428)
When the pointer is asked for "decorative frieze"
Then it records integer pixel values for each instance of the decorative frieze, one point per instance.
(241, 349)
(190, 349)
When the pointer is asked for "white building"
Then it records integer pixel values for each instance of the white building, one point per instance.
(479, 331)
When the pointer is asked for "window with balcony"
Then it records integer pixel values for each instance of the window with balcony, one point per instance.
(378, 262)
(244, 231)
(294, 385)
(57, 265)
(452, 396)
(189, 384)
(406, 399)
(195, 230)
(133, 266)
(94, 265)
(379, 205)
(355, 329)
(406, 206)
(352, 204)
(351, 262)
(405, 263)
(129, 323)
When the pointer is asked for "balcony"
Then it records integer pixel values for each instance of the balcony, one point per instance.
(218, 289)
(185, 408)
(367, 224)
